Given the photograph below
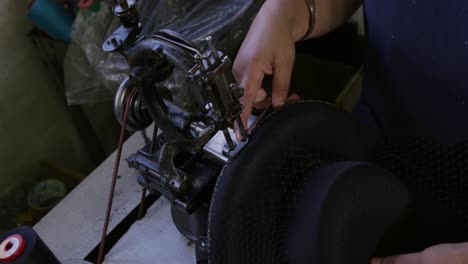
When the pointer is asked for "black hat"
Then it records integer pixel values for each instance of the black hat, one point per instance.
(304, 190)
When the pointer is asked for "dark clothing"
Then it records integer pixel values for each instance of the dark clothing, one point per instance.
(416, 74)
(415, 93)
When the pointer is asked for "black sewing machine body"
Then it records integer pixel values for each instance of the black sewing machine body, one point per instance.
(183, 162)
(187, 89)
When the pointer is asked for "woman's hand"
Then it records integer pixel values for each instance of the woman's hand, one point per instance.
(269, 48)
(440, 254)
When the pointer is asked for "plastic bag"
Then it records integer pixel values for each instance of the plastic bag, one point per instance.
(91, 75)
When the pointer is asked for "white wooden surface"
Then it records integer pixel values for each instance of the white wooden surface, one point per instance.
(73, 228)
(153, 239)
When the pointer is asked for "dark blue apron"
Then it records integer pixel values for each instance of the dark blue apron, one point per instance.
(415, 92)
(416, 73)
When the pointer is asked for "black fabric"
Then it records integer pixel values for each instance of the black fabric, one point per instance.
(342, 213)
(415, 79)
(437, 177)
(251, 206)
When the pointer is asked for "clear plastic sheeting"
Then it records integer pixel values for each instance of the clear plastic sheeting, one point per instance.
(92, 75)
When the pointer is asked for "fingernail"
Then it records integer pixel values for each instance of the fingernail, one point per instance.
(237, 135)
(278, 104)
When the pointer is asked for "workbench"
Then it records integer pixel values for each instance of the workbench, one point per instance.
(72, 230)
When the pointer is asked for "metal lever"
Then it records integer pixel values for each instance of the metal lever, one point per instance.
(260, 118)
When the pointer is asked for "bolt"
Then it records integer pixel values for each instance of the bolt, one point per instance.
(237, 91)
(208, 106)
(123, 4)
(214, 52)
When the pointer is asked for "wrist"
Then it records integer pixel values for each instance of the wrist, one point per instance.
(296, 14)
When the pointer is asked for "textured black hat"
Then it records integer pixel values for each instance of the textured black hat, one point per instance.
(304, 191)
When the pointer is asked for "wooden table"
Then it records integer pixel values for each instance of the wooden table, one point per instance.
(72, 230)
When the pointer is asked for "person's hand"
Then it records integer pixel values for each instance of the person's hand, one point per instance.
(269, 49)
(440, 254)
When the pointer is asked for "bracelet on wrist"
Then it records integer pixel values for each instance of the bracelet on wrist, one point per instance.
(311, 6)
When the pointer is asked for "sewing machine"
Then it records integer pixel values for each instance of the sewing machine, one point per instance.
(197, 139)
(187, 90)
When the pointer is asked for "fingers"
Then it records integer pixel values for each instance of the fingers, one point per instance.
(387, 260)
(262, 100)
(261, 95)
(251, 80)
(413, 258)
(252, 86)
(444, 253)
(281, 81)
(293, 98)
(255, 96)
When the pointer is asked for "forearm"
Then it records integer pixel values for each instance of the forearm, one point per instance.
(329, 14)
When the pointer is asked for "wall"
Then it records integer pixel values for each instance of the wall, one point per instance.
(34, 121)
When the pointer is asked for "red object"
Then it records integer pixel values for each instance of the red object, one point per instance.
(83, 4)
(11, 248)
(31, 4)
